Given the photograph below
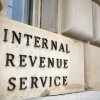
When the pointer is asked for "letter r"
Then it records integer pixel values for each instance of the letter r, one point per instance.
(9, 59)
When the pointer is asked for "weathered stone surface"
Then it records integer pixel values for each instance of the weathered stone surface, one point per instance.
(77, 19)
(96, 23)
(26, 62)
(92, 67)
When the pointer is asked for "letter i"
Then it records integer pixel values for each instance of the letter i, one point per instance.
(5, 35)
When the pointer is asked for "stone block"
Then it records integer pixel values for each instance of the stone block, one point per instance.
(77, 19)
(92, 67)
(96, 23)
(35, 62)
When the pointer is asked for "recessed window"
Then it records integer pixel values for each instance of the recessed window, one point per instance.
(38, 13)
(21, 10)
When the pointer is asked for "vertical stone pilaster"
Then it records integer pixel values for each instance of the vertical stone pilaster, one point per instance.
(96, 24)
(92, 67)
(3, 7)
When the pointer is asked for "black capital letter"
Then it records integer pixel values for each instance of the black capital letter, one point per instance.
(41, 62)
(5, 35)
(34, 81)
(9, 59)
(16, 36)
(67, 51)
(55, 81)
(65, 64)
(28, 37)
(64, 80)
(36, 44)
(22, 82)
(44, 43)
(12, 84)
(22, 59)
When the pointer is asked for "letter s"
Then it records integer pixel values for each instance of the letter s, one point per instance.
(13, 86)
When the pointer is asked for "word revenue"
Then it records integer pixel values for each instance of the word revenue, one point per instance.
(42, 62)
(35, 41)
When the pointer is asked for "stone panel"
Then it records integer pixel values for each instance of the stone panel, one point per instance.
(35, 62)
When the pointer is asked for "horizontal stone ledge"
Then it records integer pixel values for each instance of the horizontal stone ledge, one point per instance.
(87, 95)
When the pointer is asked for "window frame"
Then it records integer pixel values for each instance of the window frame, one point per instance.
(32, 12)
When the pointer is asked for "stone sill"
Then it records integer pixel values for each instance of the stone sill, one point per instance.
(87, 95)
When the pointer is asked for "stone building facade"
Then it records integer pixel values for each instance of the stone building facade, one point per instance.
(76, 19)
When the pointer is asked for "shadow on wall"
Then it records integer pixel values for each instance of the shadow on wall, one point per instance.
(1, 7)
